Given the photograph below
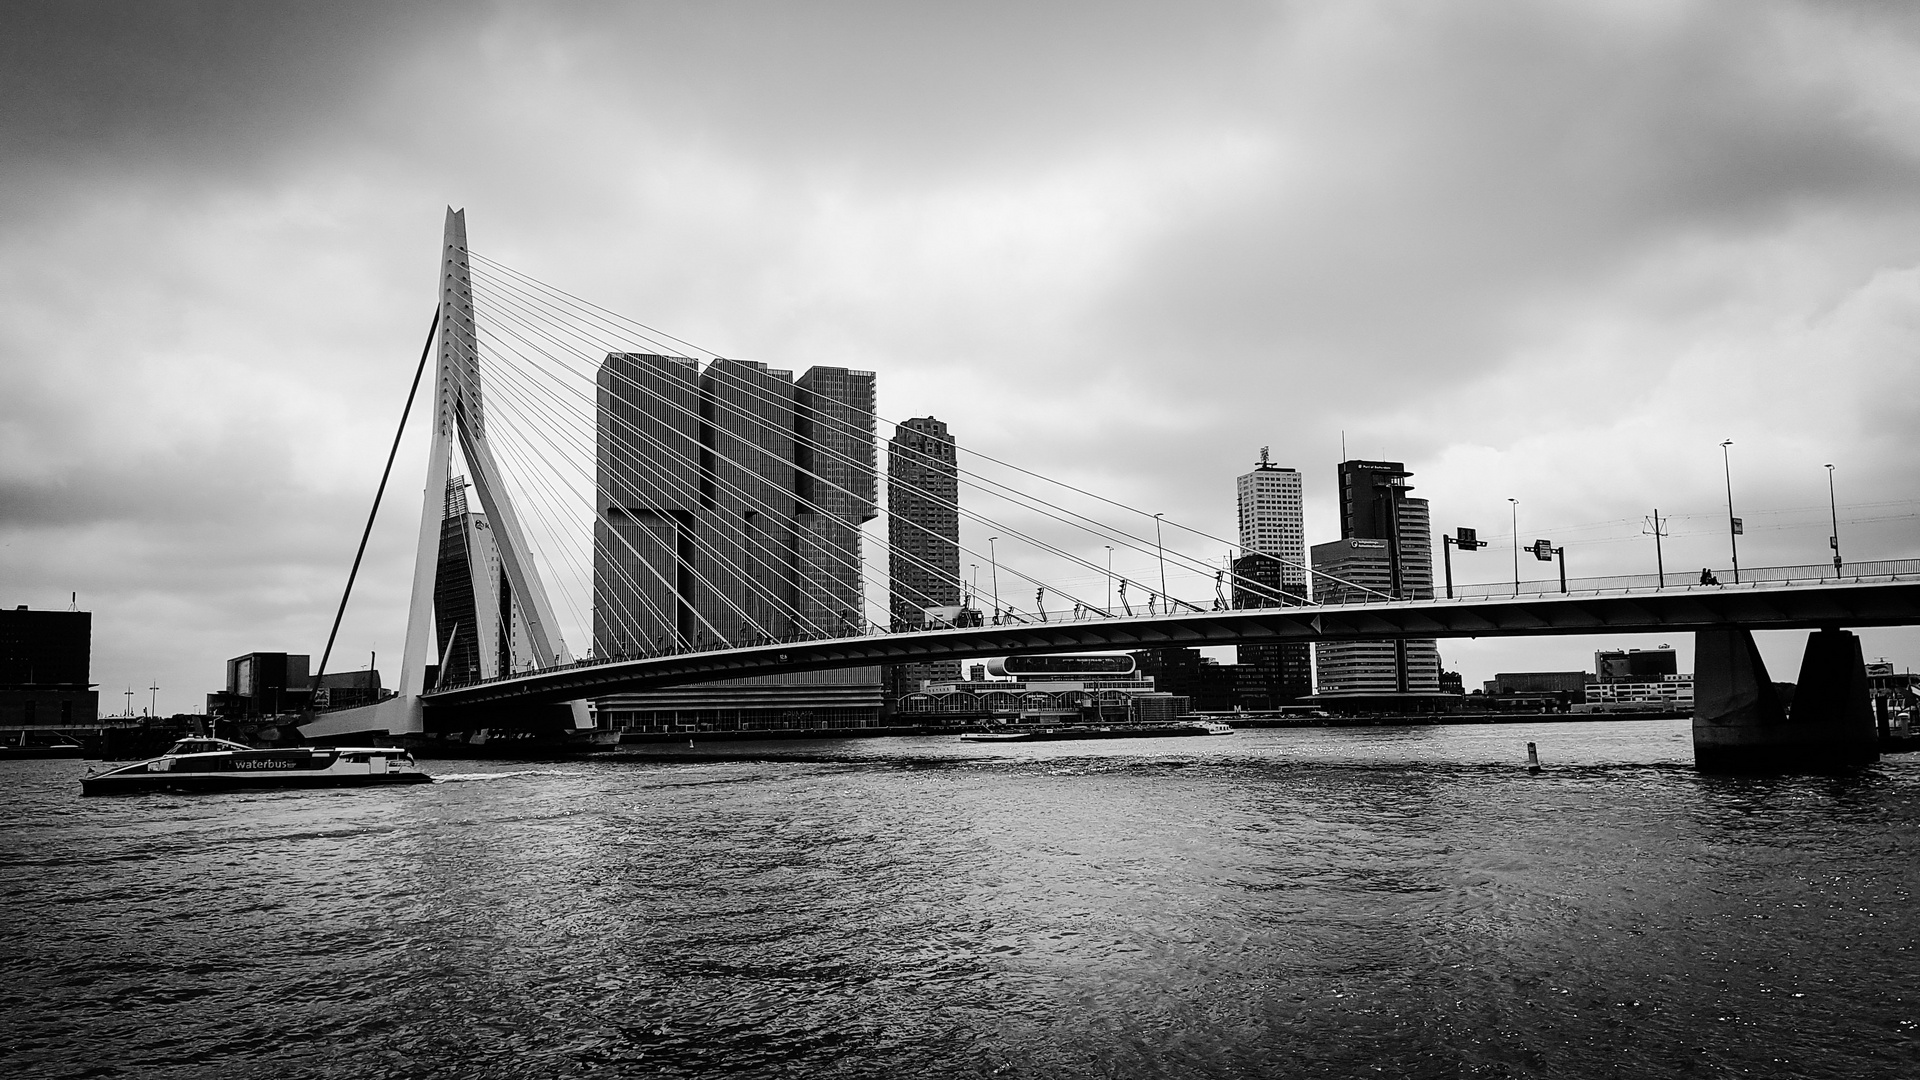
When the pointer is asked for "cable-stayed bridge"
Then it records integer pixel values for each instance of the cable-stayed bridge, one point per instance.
(682, 517)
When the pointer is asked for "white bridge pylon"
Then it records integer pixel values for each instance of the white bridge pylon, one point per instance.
(458, 414)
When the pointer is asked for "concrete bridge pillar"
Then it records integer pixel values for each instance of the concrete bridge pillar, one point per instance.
(1740, 726)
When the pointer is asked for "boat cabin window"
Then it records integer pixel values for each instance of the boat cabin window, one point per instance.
(204, 746)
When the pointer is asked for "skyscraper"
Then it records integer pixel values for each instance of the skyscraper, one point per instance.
(730, 504)
(731, 500)
(834, 457)
(1270, 571)
(923, 539)
(1385, 550)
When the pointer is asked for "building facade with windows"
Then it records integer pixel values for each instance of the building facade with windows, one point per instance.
(1270, 571)
(731, 498)
(923, 542)
(479, 630)
(1385, 552)
(730, 502)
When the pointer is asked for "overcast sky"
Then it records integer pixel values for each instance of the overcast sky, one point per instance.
(1547, 251)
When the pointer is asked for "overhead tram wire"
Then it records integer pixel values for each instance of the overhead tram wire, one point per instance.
(1139, 543)
(601, 346)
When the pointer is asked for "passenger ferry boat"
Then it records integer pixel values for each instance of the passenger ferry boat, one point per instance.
(208, 764)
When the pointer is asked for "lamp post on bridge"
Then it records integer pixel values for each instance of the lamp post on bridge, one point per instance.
(1834, 508)
(993, 562)
(1110, 579)
(1516, 546)
(1162, 551)
(1733, 523)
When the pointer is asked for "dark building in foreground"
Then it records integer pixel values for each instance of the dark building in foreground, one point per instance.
(1207, 684)
(1269, 676)
(45, 658)
(262, 684)
(1634, 665)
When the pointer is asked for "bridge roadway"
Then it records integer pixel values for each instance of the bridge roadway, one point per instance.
(1849, 604)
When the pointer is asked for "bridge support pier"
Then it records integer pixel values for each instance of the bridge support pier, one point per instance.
(1740, 726)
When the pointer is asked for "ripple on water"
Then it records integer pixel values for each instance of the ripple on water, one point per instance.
(1315, 903)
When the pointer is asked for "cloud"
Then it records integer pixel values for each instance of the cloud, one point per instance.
(1557, 252)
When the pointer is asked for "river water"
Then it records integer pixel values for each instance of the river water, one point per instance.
(1374, 902)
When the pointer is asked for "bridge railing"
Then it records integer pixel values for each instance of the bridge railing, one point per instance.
(1751, 577)
(1723, 578)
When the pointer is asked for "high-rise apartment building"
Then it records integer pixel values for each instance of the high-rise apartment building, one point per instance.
(923, 539)
(1271, 518)
(1271, 571)
(1385, 551)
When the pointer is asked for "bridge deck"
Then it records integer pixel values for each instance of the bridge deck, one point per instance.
(1753, 606)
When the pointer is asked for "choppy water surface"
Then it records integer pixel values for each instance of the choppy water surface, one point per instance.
(1402, 902)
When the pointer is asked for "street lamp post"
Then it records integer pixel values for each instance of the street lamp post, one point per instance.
(1161, 549)
(1733, 523)
(1834, 507)
(993, 563)
(1109, 579)
(1516, 545)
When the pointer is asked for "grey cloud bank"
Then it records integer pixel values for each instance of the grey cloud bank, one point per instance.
(1555, 252)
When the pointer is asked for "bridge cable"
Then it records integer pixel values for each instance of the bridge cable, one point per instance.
(380, 492)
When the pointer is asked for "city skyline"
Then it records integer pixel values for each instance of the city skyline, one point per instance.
(1556, 256)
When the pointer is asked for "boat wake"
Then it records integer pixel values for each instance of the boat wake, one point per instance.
(460, 778)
